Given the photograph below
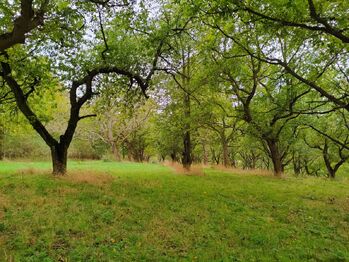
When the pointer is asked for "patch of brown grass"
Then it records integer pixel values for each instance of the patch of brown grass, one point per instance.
(240, 171)
(76, 176)
(3, 200)
(4, 204)
(343, 203)
(32, 171)
(88, 177)
(3, 254)
(198, 170)
(195, 170)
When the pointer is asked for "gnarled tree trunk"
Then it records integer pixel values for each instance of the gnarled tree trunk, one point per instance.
(331, 171)
(59, 154)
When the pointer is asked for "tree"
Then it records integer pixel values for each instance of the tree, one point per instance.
(266, 48)
(333, 153)
(122, 123)
(314, 26)
(178, 64)
(264, 98)
(219, 116)
(80, 92)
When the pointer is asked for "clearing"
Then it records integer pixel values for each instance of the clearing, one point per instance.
(105, 211)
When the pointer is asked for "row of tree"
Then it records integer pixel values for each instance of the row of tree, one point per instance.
(243, 84)
(147, 131)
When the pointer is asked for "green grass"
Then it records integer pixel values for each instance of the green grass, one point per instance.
(148, 213)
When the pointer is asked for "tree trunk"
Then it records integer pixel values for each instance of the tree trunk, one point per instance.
(115, 151)
(254, 159)
(187, 160)
(2, 140)
(205, 153)
(59, 155)
(275, 157)
(173, 156)
(129, 150)
(330, 171)
(215, 157)
(232, 159)
(297, 167)
(185, 79)
(225, 149)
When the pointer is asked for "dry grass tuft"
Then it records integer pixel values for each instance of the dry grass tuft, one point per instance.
(32, 171)
(198, 170)
(4, 204)
(89, 177)
(77, 176)
(240, 171)
(3, 200)
(195, 170)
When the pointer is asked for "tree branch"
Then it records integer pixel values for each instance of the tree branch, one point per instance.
(27, 21)
(325, 28)
(87, 116)
(22, 104)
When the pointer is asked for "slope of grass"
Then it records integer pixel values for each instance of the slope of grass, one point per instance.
(145, 212)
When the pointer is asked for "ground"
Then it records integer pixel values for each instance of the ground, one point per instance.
(106, 211)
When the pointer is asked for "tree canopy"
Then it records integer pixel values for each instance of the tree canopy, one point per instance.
(251, 84)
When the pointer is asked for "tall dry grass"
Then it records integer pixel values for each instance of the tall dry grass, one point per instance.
(89, 177)
(198, 170)
(32, 171)
(240, 171)
(195, 170)
(76, 176)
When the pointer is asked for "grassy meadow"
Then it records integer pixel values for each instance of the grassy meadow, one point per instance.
(106, 211)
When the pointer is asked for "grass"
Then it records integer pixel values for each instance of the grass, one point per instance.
(145, 212)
